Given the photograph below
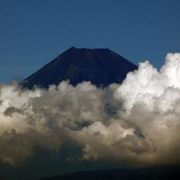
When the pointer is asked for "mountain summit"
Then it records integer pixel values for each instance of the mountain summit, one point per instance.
(99, 66)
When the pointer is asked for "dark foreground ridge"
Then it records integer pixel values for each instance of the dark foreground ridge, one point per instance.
(99, 66)
(166, 173)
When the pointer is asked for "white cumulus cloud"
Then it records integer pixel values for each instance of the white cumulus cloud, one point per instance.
(136, 122)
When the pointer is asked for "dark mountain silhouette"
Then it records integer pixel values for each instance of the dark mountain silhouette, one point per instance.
(99, 66)
(159, 173)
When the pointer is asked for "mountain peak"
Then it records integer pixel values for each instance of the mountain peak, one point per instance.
(100, 66)
(87, 49)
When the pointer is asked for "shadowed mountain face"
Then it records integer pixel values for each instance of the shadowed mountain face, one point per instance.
(99, 66)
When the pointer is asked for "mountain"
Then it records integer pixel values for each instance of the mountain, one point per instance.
(99, 66)
(158, 173)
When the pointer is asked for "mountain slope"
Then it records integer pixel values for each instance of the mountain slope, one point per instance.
(99, 66)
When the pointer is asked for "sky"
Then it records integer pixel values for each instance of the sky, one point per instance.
(32, 33)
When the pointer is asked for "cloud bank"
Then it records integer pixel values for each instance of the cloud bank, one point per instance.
(135, 123)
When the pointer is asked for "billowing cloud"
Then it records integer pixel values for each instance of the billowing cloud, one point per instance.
(136, 122)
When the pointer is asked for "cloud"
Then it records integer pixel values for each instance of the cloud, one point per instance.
(136, 122)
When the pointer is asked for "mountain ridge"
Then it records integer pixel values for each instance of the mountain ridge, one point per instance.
(100, 66)
(155, 173)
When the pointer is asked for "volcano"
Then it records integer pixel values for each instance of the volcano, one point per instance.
(99, 66)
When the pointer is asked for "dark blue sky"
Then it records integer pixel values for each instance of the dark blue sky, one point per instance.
(33, 32)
